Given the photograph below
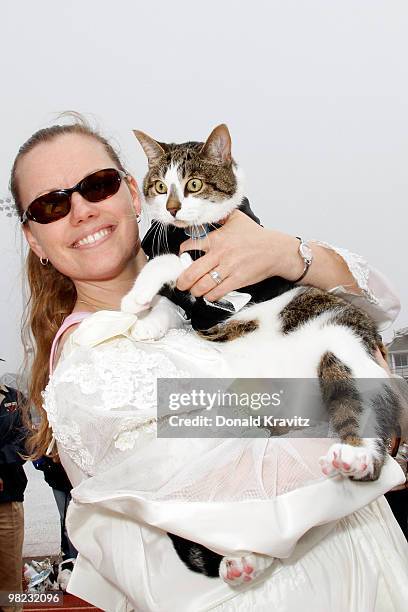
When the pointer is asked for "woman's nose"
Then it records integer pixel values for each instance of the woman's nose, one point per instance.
(81, 209)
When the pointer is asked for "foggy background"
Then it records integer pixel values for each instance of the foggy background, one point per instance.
(314, 92)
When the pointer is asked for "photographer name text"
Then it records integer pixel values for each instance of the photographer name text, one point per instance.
(176, 420)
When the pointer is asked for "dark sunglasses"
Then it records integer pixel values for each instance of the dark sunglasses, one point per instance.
(55, 205)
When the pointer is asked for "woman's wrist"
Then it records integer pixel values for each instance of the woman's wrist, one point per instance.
(327, 270)
(286, 261)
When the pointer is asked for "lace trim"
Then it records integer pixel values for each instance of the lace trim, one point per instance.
(358, 267)
(130, 431)
(114, 387)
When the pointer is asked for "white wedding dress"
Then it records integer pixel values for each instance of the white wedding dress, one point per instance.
(336, 544)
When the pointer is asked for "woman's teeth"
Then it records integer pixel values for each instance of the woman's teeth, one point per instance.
(94, 237)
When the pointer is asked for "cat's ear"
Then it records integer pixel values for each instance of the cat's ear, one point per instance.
(217, 148)
(154, 150)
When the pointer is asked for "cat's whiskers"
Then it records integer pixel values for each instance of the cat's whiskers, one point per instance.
(213, 226)
(155, 237)
(203, 229)
(163, 238)
(151, 228)
(160, 234)
(166, 241)
(196, 232)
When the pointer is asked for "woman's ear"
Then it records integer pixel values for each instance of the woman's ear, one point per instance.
(135, 193)
(32, 241)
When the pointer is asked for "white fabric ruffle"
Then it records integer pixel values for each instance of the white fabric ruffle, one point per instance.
(378, 298)
(101, 404)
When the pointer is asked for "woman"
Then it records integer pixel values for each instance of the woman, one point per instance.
(100, 401)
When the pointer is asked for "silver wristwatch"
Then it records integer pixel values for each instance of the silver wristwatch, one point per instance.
(306, 254)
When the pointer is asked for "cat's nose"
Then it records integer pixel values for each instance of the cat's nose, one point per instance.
(173, 204)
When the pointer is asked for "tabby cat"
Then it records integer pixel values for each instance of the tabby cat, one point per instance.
(189, 188)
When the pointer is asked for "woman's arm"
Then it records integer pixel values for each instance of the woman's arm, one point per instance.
(244, 253)
(374, 293)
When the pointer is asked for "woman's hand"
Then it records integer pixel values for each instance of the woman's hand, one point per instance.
(381, 361)
(241, 251)
(244, 253)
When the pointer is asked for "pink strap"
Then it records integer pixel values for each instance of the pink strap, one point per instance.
(72, 319)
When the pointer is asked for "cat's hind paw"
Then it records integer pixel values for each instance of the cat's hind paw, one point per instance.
(357, 462)
(243, 570)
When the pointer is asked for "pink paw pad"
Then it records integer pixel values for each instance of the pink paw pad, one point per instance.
(245, 569)
(350, 461)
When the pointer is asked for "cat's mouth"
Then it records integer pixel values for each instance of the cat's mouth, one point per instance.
(178, 223)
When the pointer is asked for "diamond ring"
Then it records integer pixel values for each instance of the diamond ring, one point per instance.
(215, 276)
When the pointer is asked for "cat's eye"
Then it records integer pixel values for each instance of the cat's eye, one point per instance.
(194, 185)
(160, 187)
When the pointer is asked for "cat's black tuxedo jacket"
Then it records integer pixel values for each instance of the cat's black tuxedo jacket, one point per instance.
(204, 316)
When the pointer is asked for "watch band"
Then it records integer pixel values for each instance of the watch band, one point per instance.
(306, 254)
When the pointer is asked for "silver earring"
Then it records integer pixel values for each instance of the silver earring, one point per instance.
(44, 261)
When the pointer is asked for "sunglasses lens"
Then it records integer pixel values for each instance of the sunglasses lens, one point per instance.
(57, 204)
(101, 185)
(50, 207)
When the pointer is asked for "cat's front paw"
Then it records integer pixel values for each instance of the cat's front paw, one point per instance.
(243, 570)
(130, 303)
(357, 462)
(149, 327)
(142, 293)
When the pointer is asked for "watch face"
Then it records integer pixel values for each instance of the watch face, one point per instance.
(306, 251)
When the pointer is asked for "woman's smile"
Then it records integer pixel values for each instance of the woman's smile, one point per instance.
(93, 239)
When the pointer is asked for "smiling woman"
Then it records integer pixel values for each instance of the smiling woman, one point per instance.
(67, 170)
(51, 164)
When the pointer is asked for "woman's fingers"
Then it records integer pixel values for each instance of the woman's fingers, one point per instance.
(218, 292)
(381, 361)
(207, 283)
(196, 271)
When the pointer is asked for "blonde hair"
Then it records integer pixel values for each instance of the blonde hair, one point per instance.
(52, 294)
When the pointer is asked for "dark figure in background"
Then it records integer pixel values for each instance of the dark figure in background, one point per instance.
(398, 500)
(55, 476)
(13, 482)
(398, 497)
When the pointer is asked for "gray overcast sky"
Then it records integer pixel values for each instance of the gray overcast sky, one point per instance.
(315, 94)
